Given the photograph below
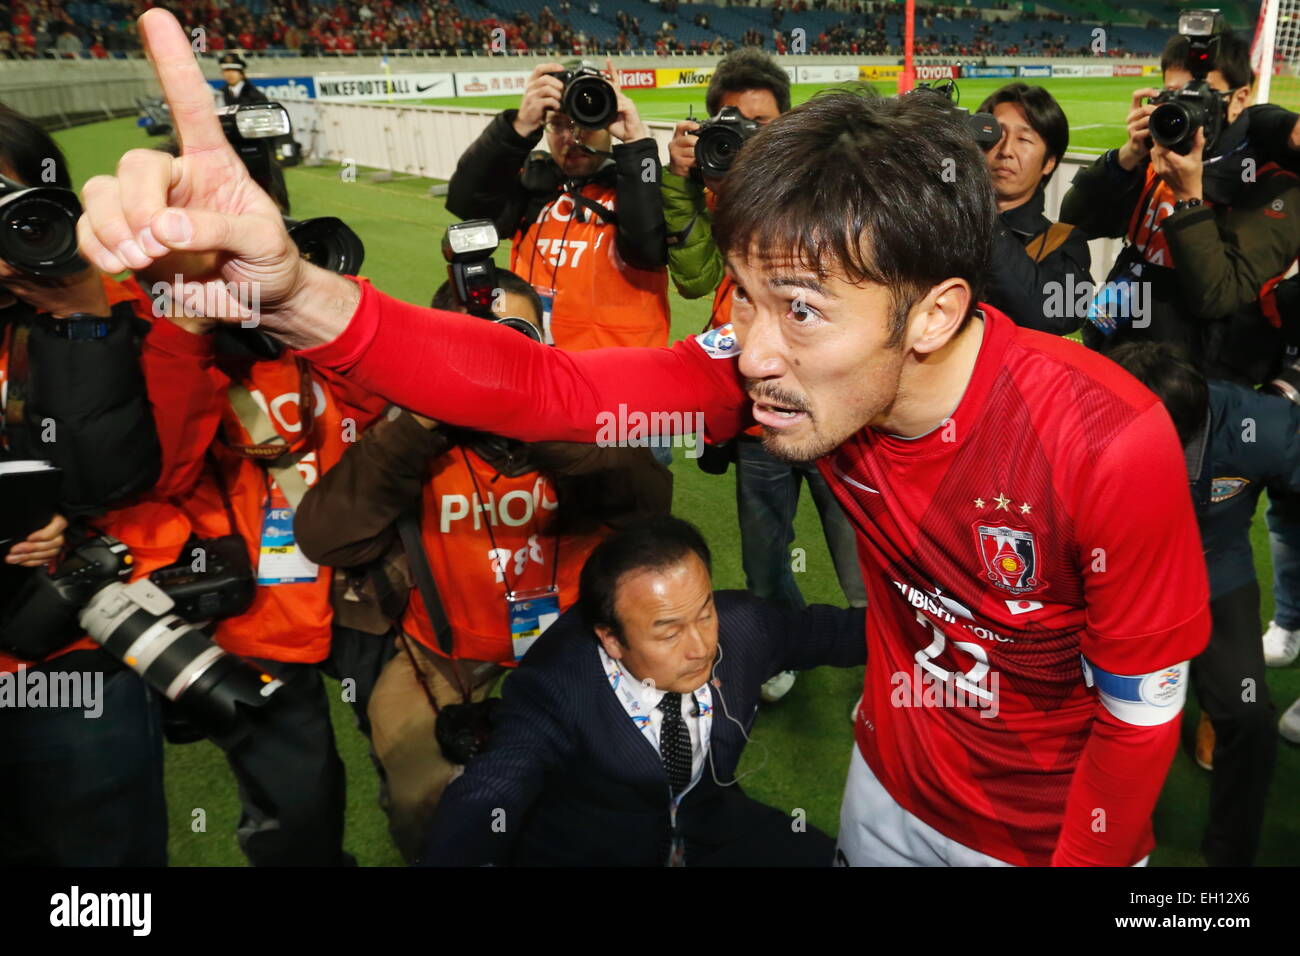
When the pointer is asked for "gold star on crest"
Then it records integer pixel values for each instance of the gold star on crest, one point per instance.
(979, 502)
(1024, 508)
(1003, 502)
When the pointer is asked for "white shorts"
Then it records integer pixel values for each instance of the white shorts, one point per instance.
(876, 831)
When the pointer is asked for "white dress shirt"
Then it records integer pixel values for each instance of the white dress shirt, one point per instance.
(642, 699)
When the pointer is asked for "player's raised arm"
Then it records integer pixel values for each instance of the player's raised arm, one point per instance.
(204, 200)
(445, 366)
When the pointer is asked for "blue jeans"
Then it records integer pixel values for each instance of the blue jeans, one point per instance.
(1284, 535)
(83, 791)
(767, 497)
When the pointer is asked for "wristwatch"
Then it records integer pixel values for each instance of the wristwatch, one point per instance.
(1187, 204)
(85, 326)
(82, 325)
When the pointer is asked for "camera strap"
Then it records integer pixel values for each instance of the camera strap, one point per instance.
(606, 215)
(1048, 241)
(268, 445)
(408, 529)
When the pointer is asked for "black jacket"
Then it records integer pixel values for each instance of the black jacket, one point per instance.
(248, 93)
(87, 410)
(498, 179)
(578, 784)
(1252, 442)
(1207, 306)
(1019, 286)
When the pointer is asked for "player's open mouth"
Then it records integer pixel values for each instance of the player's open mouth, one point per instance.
(777, 416)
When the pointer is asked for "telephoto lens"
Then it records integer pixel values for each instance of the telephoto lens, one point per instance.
(216, 691)
(38, 229)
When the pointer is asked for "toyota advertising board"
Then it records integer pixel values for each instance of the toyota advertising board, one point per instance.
(929, 73)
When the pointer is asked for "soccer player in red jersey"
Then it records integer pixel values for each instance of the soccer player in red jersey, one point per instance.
(1032, 562)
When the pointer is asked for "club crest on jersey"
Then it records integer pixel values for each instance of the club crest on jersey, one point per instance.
(719, 343)
(1010, 558)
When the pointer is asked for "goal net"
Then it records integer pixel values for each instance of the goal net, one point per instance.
(1275, 54)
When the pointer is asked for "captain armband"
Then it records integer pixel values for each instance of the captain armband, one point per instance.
(1144, 700)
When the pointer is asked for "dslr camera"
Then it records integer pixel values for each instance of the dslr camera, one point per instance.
(986, 130)
(1180, 113)
(141, 625)
(38, 229)
(588, 99)
(261, 135)
(719, 143)
(468, 248)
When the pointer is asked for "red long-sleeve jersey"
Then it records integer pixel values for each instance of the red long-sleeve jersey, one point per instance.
(1051, 522)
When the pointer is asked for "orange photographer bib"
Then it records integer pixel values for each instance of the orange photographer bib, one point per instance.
(593, 299)
(473, 569)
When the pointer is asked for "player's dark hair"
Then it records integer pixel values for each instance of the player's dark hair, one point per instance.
(1044, 114)
(888, 191)
(27, 150)
(1232, 59)
(647, 544)
(445, 297)
(1173, 379)
(748, 68)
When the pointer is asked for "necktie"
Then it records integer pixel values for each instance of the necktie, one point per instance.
(675, 743)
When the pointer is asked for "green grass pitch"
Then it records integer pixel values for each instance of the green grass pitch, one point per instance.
(800, 746)
(1096, 107)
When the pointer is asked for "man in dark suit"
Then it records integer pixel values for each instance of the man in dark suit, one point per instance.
(238, 91)
(618, 736)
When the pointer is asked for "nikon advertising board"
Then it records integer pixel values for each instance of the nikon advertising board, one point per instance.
(672, 79)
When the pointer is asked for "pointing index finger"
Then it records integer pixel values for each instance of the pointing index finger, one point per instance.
(186, 91)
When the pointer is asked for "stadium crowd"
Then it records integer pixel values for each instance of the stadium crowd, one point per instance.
(1042, 545)
(57, 28)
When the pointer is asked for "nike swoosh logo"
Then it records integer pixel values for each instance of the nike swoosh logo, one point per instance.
(421, 89)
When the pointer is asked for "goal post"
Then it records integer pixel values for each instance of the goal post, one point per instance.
(1275, 53)
(907, 78)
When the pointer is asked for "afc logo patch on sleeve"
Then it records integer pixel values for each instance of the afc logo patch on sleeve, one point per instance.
(719, 343)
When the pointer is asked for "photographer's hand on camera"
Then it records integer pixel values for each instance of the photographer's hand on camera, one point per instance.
(1137, 149)
(1182, 174)
(627, 126)
(61, 297)
(681, 150)
(542, 94)
(40, 547)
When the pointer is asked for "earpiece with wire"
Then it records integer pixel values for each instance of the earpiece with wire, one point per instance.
(713, 770)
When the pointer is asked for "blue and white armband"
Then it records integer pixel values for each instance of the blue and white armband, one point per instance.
(1144, 700)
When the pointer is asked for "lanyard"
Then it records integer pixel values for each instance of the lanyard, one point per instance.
(555, 558)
